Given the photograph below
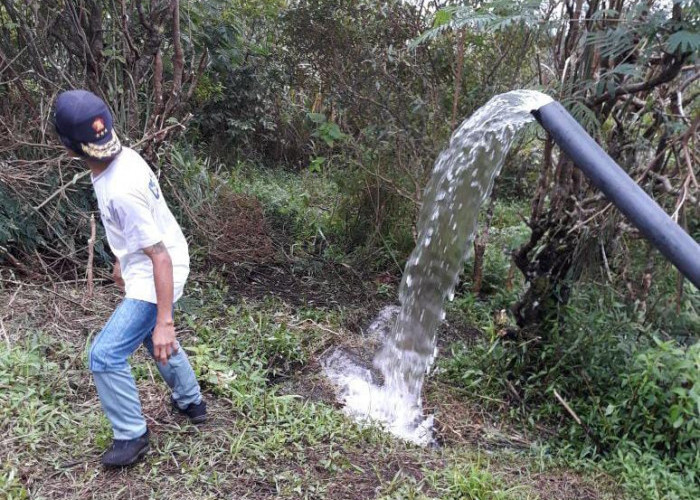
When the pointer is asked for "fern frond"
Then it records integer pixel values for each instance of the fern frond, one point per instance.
(491, 17)
(684, 40)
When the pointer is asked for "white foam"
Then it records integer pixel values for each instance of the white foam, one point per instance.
(371, 404)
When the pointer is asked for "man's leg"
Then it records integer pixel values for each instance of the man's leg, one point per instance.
(130, 323)
(179, 376)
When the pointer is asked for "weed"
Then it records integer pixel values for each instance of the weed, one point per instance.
(473, 483)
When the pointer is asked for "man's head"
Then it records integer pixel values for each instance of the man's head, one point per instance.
(84, 125)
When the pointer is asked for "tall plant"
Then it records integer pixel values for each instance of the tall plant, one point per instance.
(626, 71)
(139, 56)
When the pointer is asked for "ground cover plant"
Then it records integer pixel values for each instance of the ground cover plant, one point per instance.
(293, 141)
(274, 432)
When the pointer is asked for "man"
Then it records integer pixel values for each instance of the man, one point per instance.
(152, 264)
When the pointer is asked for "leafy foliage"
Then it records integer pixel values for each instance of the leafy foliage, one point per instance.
(636, 396)
(657, 403)
(325, 117)
(490, 16)
(684, 41)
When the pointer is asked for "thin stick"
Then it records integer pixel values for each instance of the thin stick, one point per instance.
(68, 299)
(511, 275)
(567, 407)
(60, 190)
(91, 256)
(16, 263)
(4, 334)
(586, 429)
(162, 131)
(14, 296)
(605, 261)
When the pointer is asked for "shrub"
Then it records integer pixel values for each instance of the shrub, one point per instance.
(230, 226)
(638, 397)
(656, 404)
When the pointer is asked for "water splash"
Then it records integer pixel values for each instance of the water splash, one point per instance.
(462, 179)
(366, 398)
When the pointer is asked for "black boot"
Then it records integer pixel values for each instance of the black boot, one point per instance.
(125, 452)
(197, 413)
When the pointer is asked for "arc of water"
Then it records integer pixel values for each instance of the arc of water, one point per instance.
(462, 179)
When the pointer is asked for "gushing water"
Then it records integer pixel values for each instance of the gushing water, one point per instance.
(462, 179)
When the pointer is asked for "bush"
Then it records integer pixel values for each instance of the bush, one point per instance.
(656, 404)
(647, 477)
(230, 226)
(638, 397)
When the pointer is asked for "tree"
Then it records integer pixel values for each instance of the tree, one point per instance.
(626, 71)
(620, 70)
(133, 54)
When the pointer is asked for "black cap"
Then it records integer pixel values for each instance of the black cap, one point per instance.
(84, 124)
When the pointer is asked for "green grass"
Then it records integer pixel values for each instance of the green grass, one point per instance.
(301, 206)
(275, 429)
(268, 436)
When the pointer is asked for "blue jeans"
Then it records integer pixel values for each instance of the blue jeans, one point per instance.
(130, 325)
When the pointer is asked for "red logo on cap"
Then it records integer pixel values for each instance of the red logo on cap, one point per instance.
(98, 126)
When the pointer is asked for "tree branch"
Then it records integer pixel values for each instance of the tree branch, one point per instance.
(668, 74)
(178, 60)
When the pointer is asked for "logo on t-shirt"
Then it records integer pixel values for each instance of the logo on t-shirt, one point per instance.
(154, 188)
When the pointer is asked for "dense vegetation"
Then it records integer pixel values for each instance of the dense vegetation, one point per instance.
(298, 135)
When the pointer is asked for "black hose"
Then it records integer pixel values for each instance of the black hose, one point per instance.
(671, 240)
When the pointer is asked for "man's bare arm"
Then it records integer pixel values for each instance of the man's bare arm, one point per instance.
(117, 274)
(164, 333)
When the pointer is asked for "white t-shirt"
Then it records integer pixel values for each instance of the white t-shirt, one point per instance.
(135, 216)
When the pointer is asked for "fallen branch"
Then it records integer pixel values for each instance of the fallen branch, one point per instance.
(164, 131)
(568, 408)
(578, 420)
(4, 252)
(4, 334)
(62, 189)
(85, 308)
(91, 256)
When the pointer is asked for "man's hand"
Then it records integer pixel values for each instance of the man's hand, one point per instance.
(117, 275)
(164, 343)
